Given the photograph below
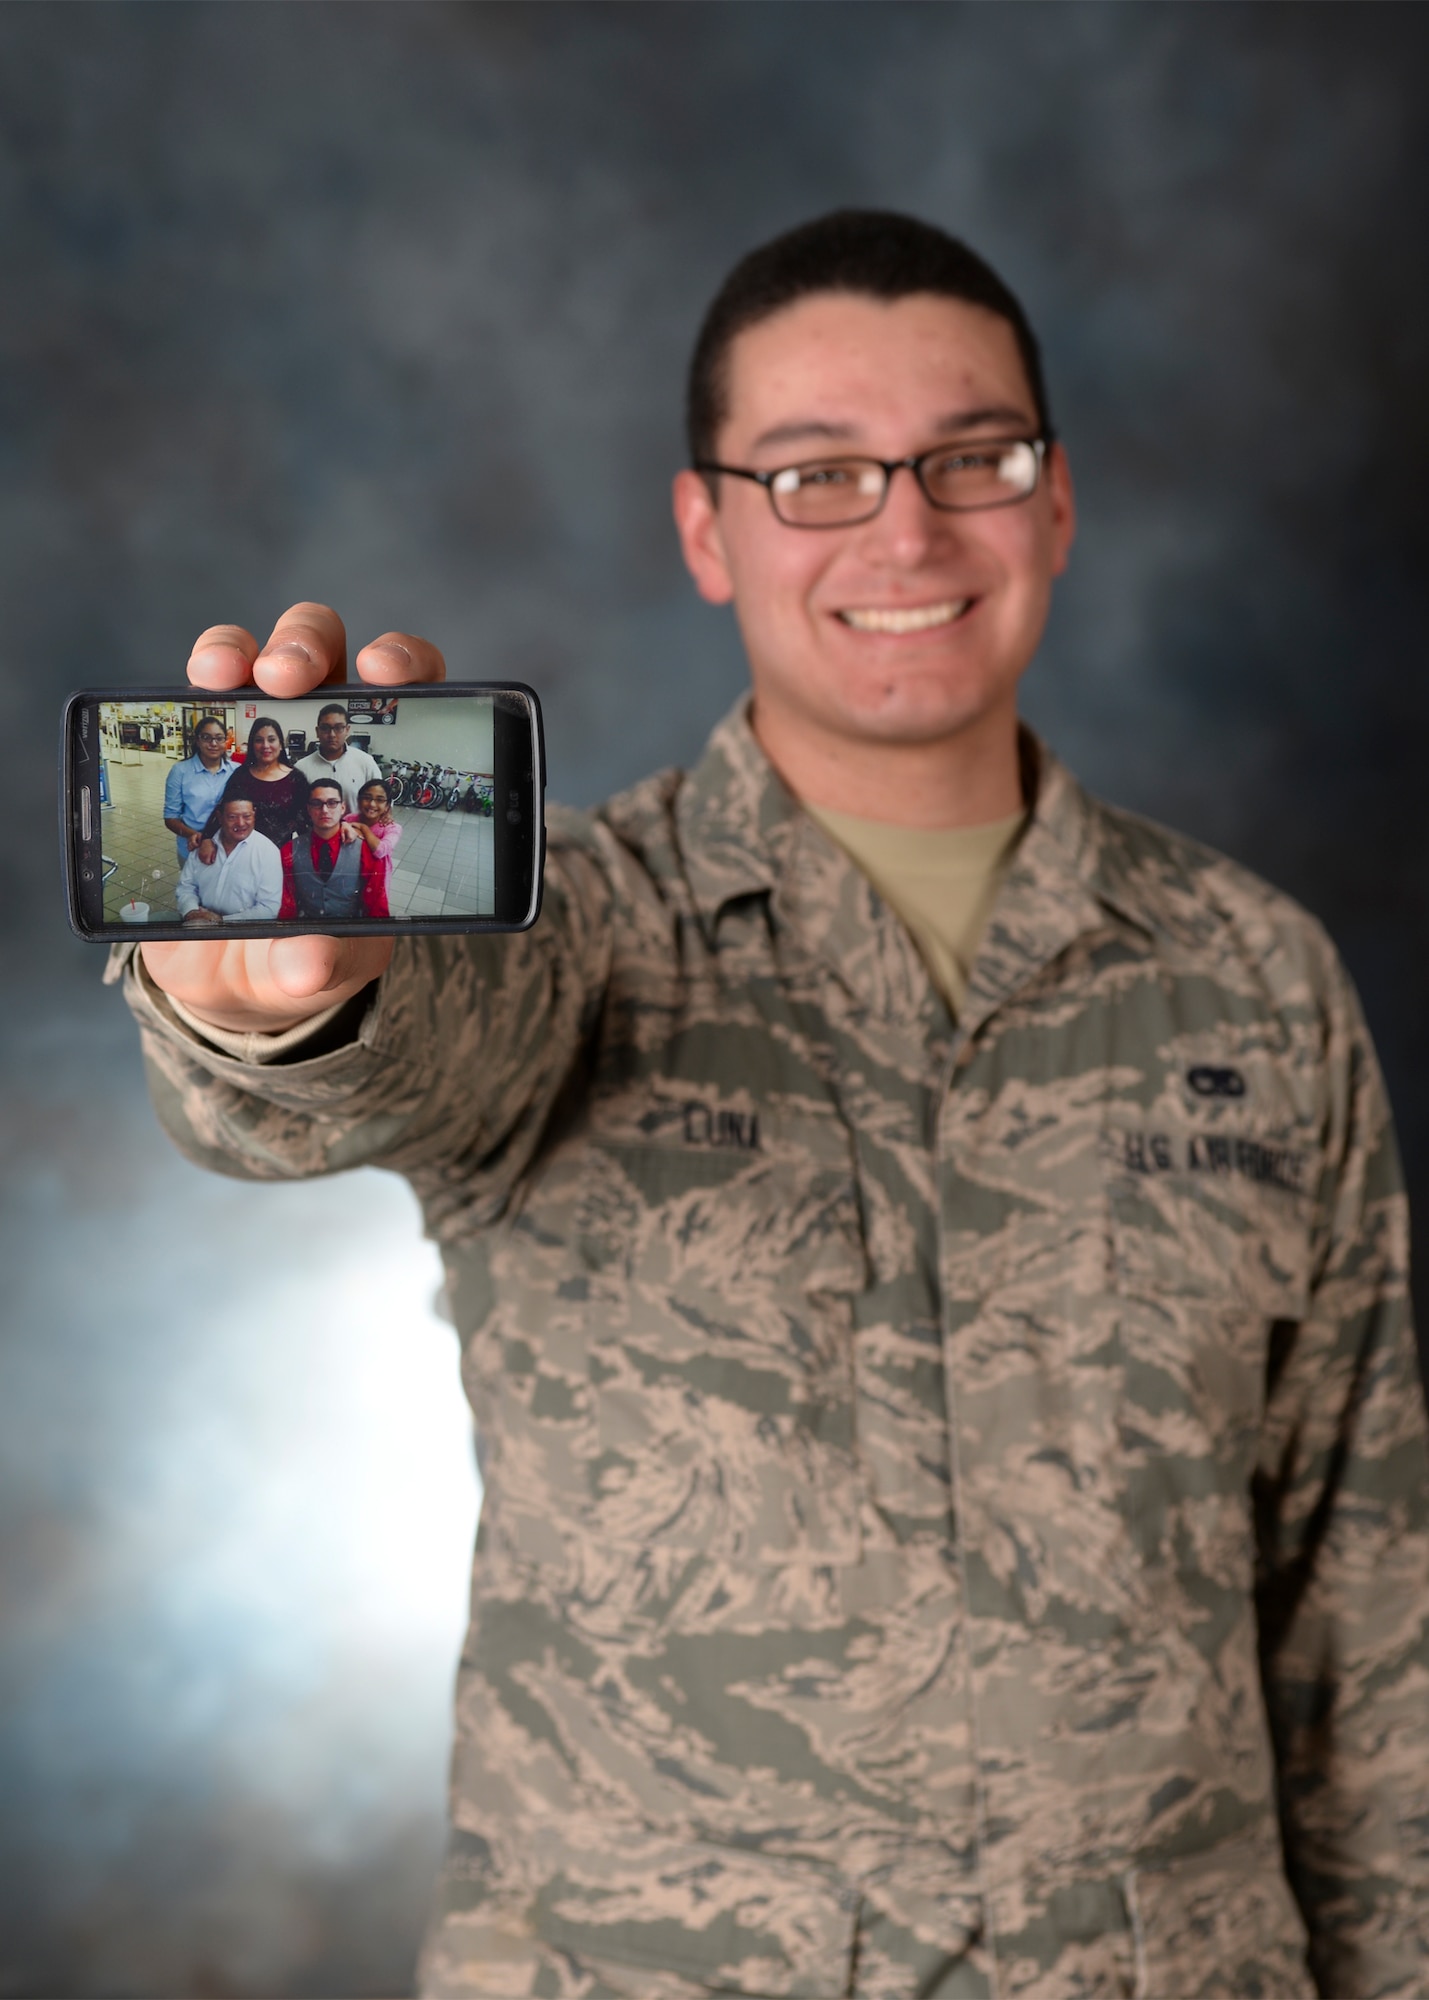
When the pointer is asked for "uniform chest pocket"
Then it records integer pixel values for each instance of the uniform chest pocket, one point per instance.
(1209, 1247)
(1220, 1217)
(722, 1250)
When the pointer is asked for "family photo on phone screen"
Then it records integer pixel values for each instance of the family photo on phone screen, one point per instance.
(317, 811)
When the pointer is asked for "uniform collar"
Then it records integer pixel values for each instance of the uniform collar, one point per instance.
(1057, 888)
(743, 833)
(737, 820)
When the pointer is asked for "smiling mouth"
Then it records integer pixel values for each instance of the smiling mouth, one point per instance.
(913, 618)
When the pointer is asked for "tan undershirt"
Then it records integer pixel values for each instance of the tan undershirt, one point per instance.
(941, 881)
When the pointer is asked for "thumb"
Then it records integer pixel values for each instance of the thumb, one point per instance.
(303, 966)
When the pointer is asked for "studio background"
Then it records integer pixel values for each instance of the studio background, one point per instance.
(389, 305)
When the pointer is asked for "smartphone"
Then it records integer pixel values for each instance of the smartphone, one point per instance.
(350, 811)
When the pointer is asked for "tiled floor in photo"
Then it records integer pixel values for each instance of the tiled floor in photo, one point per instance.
(134, 836)
(445, 861)
(444, 866)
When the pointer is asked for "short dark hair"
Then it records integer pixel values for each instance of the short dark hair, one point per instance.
(326, 785)
(237, 797)
(872, 252)
(334, 708)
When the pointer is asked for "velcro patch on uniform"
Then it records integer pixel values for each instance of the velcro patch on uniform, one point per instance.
(1215, 1080)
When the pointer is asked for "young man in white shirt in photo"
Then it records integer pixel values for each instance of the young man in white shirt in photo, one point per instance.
(335, 757)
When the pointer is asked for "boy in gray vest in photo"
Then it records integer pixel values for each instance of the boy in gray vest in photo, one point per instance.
(330, 875)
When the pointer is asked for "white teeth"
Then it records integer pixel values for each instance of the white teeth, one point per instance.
(920, 619)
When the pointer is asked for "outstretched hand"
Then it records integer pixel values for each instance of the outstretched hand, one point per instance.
(268, 984)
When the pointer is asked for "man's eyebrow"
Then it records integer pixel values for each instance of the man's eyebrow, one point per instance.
(1011, 415)
(810, 427)
(953, 424)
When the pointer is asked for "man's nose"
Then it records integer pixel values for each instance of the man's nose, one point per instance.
(907, 526)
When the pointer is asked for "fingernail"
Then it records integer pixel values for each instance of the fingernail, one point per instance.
(211, 660)
(290, 653)
(399, 653)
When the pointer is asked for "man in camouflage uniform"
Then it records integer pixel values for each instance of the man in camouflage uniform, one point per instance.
(955, 1477)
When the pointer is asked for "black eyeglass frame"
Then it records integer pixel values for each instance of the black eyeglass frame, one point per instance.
(914, 463)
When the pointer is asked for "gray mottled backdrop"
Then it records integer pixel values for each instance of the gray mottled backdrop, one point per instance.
(388, 305)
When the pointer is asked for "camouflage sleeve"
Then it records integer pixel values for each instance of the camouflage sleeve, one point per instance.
(1342, 1505)
(450, 1077)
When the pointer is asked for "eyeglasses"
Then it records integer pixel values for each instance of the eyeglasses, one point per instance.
(841, 492)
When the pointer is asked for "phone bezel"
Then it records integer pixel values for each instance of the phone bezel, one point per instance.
(532, 834)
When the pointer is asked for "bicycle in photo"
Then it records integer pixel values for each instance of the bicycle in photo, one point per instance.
(396, 776)
(425, 789)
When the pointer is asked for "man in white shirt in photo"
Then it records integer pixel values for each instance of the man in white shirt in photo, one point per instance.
(336, 758)
(244, 881)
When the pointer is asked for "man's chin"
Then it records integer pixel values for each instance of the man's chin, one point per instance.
(911, 717)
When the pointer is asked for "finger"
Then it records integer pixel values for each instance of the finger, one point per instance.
(397, 659)
(223, 658)
(173, 967)
(306, 968)
(307, 650)
(154, 955)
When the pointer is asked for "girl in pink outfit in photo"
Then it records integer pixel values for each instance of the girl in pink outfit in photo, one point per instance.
(373, 822)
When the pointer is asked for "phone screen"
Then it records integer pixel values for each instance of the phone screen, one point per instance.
(341, 812)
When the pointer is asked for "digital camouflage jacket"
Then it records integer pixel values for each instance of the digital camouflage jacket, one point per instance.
(955, 1515)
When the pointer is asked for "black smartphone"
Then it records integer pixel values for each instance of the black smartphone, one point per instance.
(353, 810)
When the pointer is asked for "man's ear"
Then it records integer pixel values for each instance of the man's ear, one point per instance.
(1064, 507)
(701, 543)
